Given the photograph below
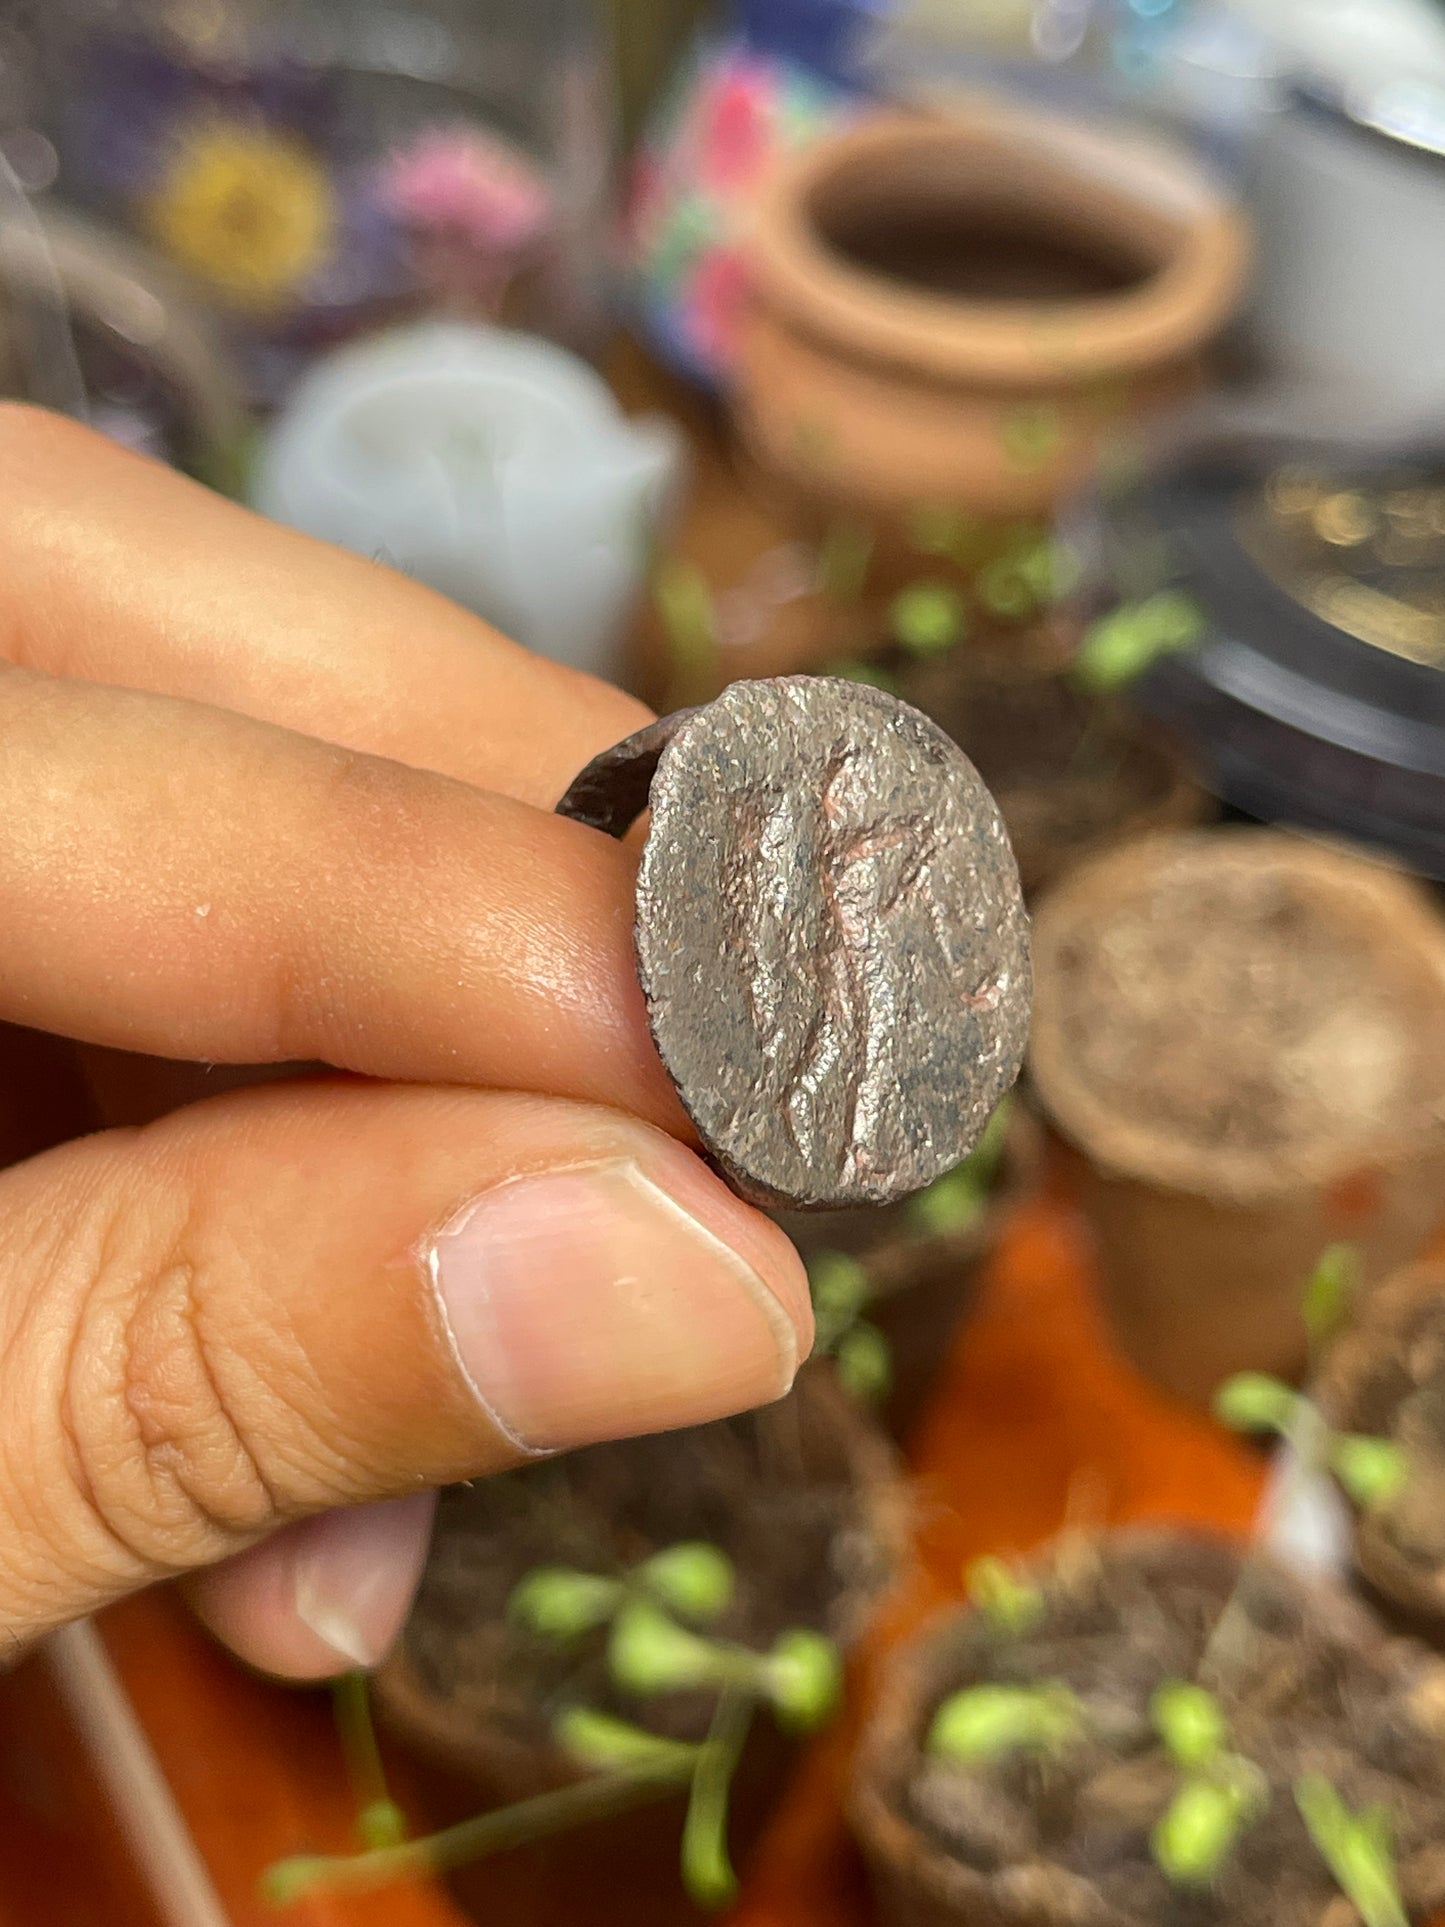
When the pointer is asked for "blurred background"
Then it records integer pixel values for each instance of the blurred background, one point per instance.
(911, 338)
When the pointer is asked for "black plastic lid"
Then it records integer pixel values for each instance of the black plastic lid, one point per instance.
(1317, 695)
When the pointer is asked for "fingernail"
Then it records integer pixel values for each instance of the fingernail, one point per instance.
(354, 1573)
(588, 1303)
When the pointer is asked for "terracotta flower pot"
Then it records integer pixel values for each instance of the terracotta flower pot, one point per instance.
(803, 1497)
(1312, 1686)
(965, 309)
(1385, 1376)
(923, 1283)
(1244, 1035)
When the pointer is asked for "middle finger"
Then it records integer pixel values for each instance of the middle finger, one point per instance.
(248, 895)
(114, 569)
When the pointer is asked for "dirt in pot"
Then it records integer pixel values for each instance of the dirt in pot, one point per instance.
(1227, 1007)
(790, 1493)
(1070, 772)
(1386, 1377)
(1064, 1836)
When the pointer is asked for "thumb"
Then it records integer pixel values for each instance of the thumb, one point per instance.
(313, 1295)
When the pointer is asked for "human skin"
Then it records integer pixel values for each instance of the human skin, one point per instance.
(263, 803)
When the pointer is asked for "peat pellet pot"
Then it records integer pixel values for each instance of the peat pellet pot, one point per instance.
(803, 1499)
(1385, 1376)
(1243, 1034)
(964, 309)
(1303, 1683)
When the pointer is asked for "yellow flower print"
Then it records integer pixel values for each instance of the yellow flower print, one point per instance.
(248, 210)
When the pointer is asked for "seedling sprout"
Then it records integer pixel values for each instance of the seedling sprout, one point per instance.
(1220, 1792)
(654, 1617)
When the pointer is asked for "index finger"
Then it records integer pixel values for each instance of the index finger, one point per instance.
(184, 881)
(116, 570)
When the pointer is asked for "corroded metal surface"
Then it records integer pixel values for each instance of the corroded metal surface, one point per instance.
(612, 792)
(830, 935)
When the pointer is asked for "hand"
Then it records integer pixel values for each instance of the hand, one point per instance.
(260, 803)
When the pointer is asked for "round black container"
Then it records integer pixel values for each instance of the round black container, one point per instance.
(1317, 693)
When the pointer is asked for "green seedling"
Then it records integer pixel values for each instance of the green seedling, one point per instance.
(841, 1292)
(1326, 1303)
(984, 1723)
(1032, 434)
(1051, 568)
(1015, 572)
(800, 1679)
(1220, 1792)
(1191, 1723)
(1012, 1608)
(863, 1359)
(650, 1653)
(1256, 1402)
(950, 1204)
(928, 619)
(945, 531)
(307, 1875)
(693, 1580)
(1117, 649)
(688, 613)
(1032, 571)
(1006, 588)
(650, 1650)
(1358, 1849)
(804, 1680)
(557, 1603)
(609, 1745)
(958, 1199)
(707, 1868)
(859, 1351)
(840, 1284)
(1199, 1830)
(380, 1822)
(1372, 1471)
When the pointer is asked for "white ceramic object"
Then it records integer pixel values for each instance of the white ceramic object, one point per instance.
(1352, 242)
(1303, 1521)
(1358, 46)
(1339, 107)
(1218, 74)
(493, 466)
